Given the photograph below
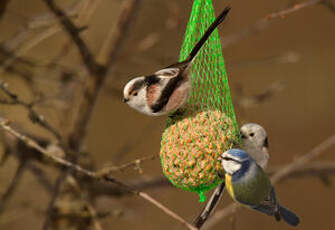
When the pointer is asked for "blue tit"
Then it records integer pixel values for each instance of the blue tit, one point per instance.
(248, 184)
(255, 142)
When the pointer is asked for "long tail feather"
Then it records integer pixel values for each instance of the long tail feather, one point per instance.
(208, 32)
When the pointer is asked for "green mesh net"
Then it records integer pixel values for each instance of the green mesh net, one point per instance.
(206, 126)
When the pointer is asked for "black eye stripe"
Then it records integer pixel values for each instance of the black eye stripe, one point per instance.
(266, 143)
(230, 159)
(136, 86)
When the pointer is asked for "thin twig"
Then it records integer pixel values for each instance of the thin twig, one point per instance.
(314, 153)
(95, 82)
(263, 23)
(292, 9)
(87, 56)
(13, 185)
(97, 72)
(21, 43)
(47, 19)
(330, 5)
(3, 7)
(317, 169)
(41, 176)
(247, 102)
(96, 176)
(33, 115)
(282, 174)
(136, 164)
(54, 196)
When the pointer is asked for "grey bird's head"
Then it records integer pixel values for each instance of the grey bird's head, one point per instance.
(134, 94)
(255, 142)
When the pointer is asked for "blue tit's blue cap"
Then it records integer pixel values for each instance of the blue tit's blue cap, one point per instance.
(238, 153)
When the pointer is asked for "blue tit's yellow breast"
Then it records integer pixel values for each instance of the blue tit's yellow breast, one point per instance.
(229, 185)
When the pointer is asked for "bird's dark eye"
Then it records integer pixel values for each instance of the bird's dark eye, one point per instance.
(135, 94)
(251, 134)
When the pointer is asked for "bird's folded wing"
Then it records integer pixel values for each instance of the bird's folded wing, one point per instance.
(168, 72)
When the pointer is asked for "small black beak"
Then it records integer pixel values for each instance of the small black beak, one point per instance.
(242, 135)
(125, 100)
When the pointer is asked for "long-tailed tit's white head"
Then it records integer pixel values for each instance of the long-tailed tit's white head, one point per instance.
(255, 142)
(166, 90)
(134, 92)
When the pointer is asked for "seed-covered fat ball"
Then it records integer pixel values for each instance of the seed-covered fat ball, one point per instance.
(190, 148)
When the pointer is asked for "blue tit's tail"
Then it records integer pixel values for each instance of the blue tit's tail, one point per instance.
(288, 216)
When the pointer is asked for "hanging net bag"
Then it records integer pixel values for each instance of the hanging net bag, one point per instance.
(206, 126)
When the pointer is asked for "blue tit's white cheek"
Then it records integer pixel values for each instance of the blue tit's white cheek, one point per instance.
(230, 167)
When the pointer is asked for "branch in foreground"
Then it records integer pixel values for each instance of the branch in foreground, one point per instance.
(296, 167)
(93, 175)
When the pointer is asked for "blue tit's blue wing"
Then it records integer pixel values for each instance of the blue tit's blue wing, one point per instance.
(271, 207)
(263, 208)
(210, 206)
(282, 212)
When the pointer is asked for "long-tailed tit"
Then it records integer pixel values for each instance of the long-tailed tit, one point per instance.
(255, 143)
(168, 89)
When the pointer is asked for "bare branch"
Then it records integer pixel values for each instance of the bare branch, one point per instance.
(330, 5)
(247, 102)
(95, 82)
(318, 169)
(87, 56)
(33, 115)
(41, 176)
(292, 9)
(264, 22)
(21, 43)
(12, 187)
(136, 164)
(96, 176)
(97, 71)
(3, 7)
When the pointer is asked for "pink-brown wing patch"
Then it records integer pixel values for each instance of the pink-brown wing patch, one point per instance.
(178, 97)
(152, 94)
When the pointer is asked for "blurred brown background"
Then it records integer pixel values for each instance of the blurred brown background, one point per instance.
(291, 57)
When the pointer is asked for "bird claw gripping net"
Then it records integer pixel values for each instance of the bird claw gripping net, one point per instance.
(206, 126)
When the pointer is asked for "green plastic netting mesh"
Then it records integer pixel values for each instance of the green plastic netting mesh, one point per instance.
(206, 126)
